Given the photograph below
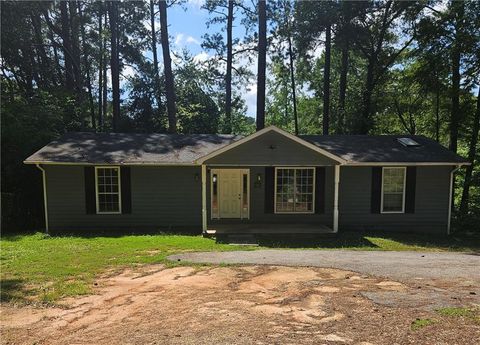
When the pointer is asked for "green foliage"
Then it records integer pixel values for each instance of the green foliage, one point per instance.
(421, 323)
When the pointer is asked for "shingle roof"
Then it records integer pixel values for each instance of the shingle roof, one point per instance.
(120, 148)
(384, 148)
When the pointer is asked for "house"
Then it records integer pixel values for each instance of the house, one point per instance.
(270, 181)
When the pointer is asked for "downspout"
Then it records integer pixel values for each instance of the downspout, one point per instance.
(450, 199)
(44, 179)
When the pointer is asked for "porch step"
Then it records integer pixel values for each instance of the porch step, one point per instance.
(240, 239)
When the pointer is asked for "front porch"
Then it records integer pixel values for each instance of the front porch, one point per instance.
(267, 228)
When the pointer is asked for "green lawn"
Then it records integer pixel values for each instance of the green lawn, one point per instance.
(43, 268)
(39, 267)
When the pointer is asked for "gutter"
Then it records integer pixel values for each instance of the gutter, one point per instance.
(45, 204)
(450, 198)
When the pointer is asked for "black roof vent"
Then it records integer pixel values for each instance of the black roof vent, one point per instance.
(408, 142)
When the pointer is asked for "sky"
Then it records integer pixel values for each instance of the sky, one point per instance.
(187, 25)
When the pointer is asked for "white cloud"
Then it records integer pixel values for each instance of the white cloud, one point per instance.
(191, 39)
(201, 57)
(196, 3)
(251, 99)
(179, 39)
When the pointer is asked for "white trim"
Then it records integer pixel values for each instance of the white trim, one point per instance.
(119, 189)
(266, 130)
(218, 173)
(335, 198)
(204, 198)
(450, 199)
(45, 200)
(403, 192)
(313, 190)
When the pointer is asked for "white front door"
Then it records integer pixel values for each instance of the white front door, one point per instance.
(233, 193)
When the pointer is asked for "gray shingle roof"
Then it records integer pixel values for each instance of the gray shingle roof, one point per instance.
(384, 148)
(123, 148)
(120, 148)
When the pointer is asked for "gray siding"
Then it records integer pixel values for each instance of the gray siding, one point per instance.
(162, 197)
(258, 151)
(257, 203)
(431, 202)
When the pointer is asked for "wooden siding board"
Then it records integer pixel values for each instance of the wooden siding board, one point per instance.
(431, 202)
(161, 197)
(271, 149)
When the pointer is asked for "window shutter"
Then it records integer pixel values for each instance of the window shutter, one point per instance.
(320, 190)
(126, 190)
(90, 198)
(269, 189)
(411, 182)
(376, 189)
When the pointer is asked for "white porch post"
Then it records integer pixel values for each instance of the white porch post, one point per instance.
(335, 199)
(204, 198)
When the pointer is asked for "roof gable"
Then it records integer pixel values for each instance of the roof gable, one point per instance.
(266, 131)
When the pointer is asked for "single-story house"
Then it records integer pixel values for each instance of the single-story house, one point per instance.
(270, 181)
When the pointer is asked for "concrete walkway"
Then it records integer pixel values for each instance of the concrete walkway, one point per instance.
(395, 265)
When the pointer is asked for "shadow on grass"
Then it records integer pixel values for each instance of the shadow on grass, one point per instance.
(366, 240)
(12, 290)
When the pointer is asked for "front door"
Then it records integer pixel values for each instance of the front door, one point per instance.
(233, 193)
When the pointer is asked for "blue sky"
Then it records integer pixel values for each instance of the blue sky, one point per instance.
(187, 25)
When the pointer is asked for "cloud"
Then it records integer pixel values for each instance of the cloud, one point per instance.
(197, 4)
(182, 40)
(179, 39)
(201, 57)
(190, 39)
(251, 99)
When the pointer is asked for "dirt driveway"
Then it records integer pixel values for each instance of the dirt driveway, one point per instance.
(248, 305)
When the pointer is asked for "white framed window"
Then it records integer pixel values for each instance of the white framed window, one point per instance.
(108, 190)
(393, 189)
(294, 190)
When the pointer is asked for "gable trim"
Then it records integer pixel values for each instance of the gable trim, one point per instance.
(266, 130)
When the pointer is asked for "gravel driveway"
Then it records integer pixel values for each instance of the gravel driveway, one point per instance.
(395, 265)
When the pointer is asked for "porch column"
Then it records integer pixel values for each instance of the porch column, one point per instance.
(335, 198)
(204, 198)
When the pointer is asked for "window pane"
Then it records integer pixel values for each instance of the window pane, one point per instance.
(393, 189)
(108, 190)
(294, 190)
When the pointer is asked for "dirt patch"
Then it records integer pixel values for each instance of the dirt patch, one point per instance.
(244, 305)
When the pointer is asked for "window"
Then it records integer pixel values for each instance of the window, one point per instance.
(294, 191)
(393, 190)
(107, 187)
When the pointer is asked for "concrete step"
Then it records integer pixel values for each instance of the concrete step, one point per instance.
(240, 239)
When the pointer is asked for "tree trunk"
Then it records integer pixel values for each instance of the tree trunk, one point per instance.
(100, 71)
(262, 63)
(326, 81)
(472, 151)
(67, 47)
(114, 63)
(75, 42)
(342, 89)
(167, 63)
(437, 113)
(156, 73)
(45, 69)
(365, 121)
(228, 74)
(105, 76)
(292, 82)
(86, 62)
(456, 56)
(53, 42)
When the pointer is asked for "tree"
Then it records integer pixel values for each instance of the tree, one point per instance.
(167, 63)
(472, 152)
(262, 63)
(114, 63)
(154, 53)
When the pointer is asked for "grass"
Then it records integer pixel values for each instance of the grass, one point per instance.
(43, 268)
(420, 323)
(459, 312)
(378, 241)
